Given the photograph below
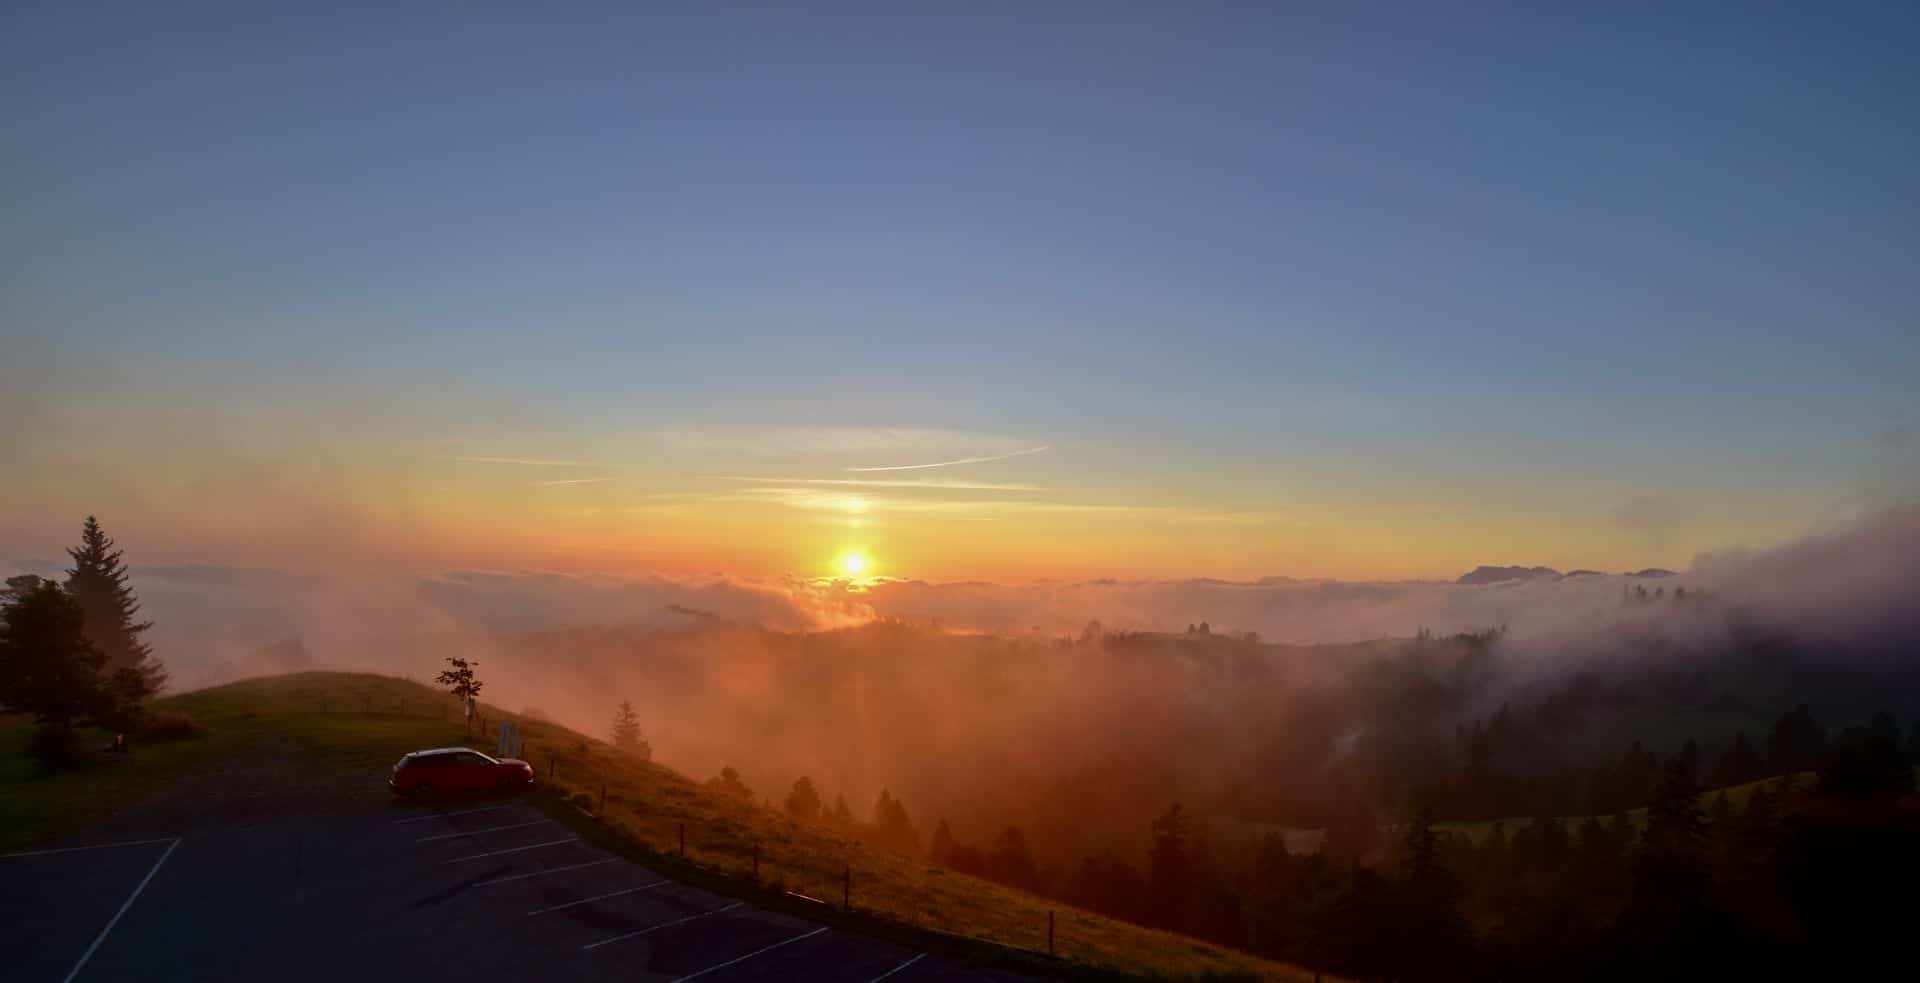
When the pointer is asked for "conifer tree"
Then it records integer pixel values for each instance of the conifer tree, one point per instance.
(892, 827)
(98, 582)
(626, 732)
(48, 666)
(1011, 861)
(940, 851)
(803, 801)
(840, 817)
(1674, 819)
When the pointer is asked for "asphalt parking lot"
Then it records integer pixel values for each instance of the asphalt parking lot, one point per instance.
(473, 890)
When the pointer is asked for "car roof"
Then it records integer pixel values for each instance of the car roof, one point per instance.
(442, 750)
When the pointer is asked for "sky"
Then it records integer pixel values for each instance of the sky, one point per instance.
(974, 291)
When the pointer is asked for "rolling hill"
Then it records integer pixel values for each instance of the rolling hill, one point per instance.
(349, 728)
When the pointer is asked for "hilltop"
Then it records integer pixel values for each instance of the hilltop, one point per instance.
(344, 730)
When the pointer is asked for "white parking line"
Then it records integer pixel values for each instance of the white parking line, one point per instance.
(549, 870)
(477, 832)
(96, 846)
(750, 955)
(450, 815)
(495, 853)
(597, 897)
(656, 928)
(124, 905)
(898, 968)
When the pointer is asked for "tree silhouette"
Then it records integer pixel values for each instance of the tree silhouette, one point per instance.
(1865, 765)
(1011, 862)
(98, 582)
(1109, 885)
(1795, 742)
(1739, 764)
(1167, 865)
(892, 827)
(940, 850)
(803, 801)
(49, 667)
(729, 785)
(1690, 758)
(1674, 819)
(840, 817)
(459, 680)
(626, 732)
(19, 586)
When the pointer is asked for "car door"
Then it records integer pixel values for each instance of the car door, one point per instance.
(429, 769)
(471, 772)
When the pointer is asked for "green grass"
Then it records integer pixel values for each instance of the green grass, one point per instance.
(348, 725)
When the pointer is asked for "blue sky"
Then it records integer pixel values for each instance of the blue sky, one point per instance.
(1222, 257)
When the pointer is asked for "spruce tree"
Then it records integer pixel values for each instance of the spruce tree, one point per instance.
(840, 817)
(941, 850)
(98, 581)
(803, 802)
(626, 732)
(1675, 821)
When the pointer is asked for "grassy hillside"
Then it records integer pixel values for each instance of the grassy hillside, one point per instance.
(356, 725)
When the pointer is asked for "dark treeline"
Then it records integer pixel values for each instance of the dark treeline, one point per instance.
(1778, 876)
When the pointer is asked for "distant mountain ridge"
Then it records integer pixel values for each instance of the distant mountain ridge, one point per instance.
(1499, 575)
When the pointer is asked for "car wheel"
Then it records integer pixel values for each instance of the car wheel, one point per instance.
(421, 792)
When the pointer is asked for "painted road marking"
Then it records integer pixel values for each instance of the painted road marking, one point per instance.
(518, 849)
(549, 870)
(477, 832)
(656, 928)
(96, 846)
(898, 968)
(598, 897)
(750, 955)
(124, 905)
(450, 815)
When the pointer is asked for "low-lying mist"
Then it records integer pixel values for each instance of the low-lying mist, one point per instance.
(1077, 710)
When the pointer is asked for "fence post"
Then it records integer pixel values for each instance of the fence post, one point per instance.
(603, 799)
(1049, 931)
(683, 841)
(369, 702)
(756, 861)
(553, 765)
(403, 706)
(846, 890)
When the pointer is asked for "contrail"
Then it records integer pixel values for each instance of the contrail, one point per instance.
(963, 460)
(573, 481)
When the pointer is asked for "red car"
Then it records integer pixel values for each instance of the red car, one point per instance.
(425, 774)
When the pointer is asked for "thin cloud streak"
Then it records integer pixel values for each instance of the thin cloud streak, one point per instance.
(529, 462)
(963, 460)
(574, 481)
(945, 484)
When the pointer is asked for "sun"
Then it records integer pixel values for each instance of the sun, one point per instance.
(853, 564)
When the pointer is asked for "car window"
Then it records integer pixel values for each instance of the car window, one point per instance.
(468, 760)
(429, 761)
